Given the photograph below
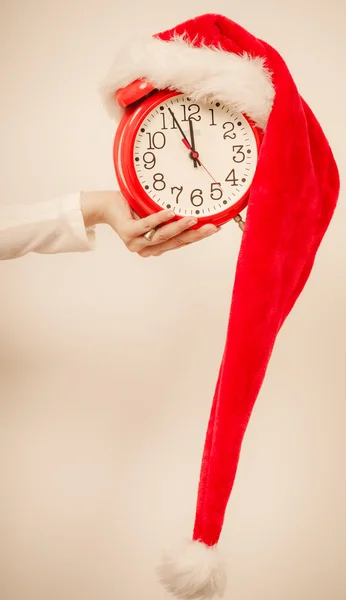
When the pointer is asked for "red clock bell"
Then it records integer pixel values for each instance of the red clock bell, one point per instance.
(171, 152)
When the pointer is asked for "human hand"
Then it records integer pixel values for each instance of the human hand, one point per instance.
(112, 209)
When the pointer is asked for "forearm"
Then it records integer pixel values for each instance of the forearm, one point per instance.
(50, 227)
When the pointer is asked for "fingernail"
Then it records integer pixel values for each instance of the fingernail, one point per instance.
(169, 214)
(192, 222)
(211, 230)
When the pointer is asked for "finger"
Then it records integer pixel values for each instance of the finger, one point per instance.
(163, 234)
(185, 238)
(139, 227)
(172, 230)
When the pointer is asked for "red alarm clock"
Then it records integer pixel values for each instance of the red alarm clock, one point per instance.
(172, 152)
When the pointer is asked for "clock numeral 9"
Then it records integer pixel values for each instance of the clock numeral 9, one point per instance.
(149, 160)
(159, 183)
(157, 140)
(216, 191)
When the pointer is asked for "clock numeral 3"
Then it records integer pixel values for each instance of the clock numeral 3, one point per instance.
(157, 140)
(239, 156)
(159, 183)
(196, 197)
(149, 160)
(228, 133)
(232, 178)
(216, 191)
(180, 189)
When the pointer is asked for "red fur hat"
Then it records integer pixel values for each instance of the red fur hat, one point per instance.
(292, 200)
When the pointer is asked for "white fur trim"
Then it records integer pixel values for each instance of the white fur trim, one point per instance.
(240, 81)
(193, 571)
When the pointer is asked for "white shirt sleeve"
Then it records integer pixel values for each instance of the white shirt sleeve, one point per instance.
(50, 227)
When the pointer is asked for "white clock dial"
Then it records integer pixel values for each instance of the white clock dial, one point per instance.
(224, 163)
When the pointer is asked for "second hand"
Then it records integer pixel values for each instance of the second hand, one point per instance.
(195, 157)
(194, 154)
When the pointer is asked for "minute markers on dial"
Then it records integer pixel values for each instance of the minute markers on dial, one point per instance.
(208, 146)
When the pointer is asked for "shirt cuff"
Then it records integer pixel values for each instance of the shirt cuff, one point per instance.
(77, 237)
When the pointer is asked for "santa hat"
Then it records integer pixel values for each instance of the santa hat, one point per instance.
(291, 203)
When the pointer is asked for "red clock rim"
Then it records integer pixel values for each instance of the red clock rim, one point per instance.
(129, 184)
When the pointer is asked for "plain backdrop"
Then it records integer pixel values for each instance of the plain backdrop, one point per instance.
(108, 362)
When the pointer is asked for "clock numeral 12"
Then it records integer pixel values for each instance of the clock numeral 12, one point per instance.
(193, 109)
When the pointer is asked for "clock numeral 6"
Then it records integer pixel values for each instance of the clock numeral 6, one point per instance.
(159, 183)
(149, 160)
(196, 197)
(216, 191)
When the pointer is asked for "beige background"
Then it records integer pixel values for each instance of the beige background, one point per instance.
(108, 362)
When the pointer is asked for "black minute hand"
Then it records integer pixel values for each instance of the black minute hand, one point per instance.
(178, 125)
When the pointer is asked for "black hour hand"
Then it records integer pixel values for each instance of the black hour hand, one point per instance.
(193, 148)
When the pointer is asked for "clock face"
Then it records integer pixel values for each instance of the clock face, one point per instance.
(194, 158)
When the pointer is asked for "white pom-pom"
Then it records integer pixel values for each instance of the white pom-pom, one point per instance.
(193, 571)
